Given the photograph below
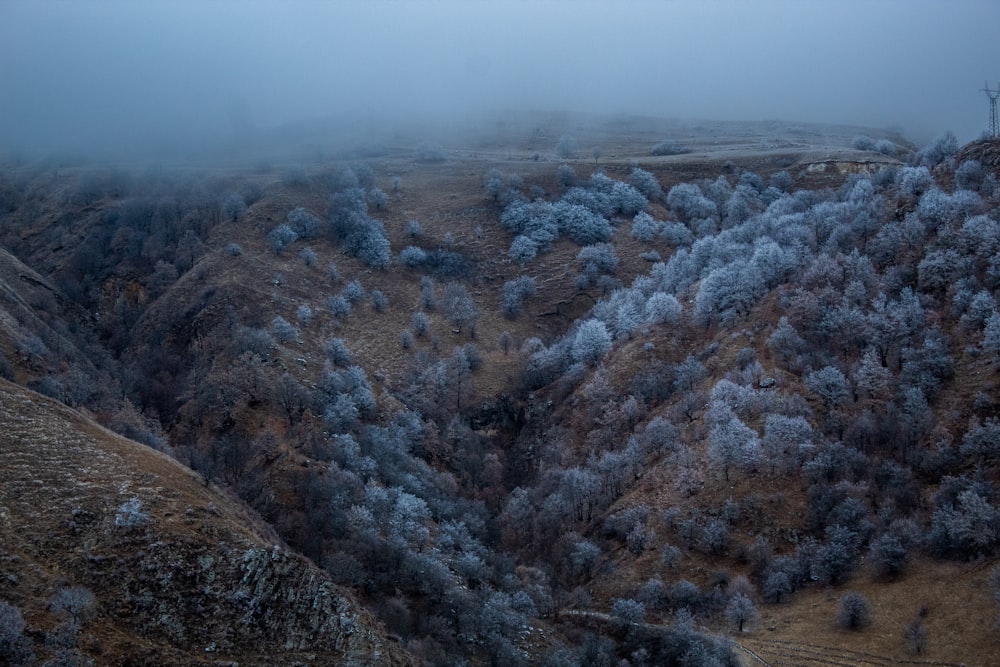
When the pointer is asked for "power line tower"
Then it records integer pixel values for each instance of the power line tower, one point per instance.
(993, 95)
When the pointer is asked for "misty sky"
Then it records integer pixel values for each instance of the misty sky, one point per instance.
(147, 73)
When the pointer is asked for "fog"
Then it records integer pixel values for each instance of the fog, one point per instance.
(125, 77)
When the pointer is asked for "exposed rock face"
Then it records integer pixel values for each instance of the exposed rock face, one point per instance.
(986, 151)
(182, 574)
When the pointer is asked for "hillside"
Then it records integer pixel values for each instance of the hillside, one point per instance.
(554, 390)
(85, 510)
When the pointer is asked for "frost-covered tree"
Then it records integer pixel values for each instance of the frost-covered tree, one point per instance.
(740, 610)
(353, 291)
(733, 444)
(914, 181)
(591, 342)
(885, 147)
(284, 331)
(339, 306)
(337, 352)
(939, 150)
(513, 294)
(730, 290)
(784, 438)
(863, 142)
(567, 147)
(413, 229)
(75, 603)
(662, 308)
(627, 200)
(598, 258)
(888, 555)
(523, 249)
(458, 305)
(359, 235)
(303, 223)
(379, 300)
(308, 256)
(580, 223)
(969, 175)
(853, 611)
(233, 206)
(644, 227)
(420, 324)
(627, 610)
(688, 203)
(377, 198)
(412, 256)
(494, 184)
(871, 378)
(281, 237)
(830, 385)
(646, 183)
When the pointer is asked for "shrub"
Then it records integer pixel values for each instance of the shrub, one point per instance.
(863, 142)
(15, 648)
(337, 352)
(380, 302)
(340, 306)
(130, 514)
(308, 256)
(420, 324)
(668, 148)
(353, 291)
(76, 604)
(885, 147)
(280, 238)
(283, 330)
(303, 223)
(413, 229)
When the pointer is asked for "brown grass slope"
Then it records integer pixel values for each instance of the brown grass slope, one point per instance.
(199, 580)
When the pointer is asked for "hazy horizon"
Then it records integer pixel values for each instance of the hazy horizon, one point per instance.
(121, 77)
